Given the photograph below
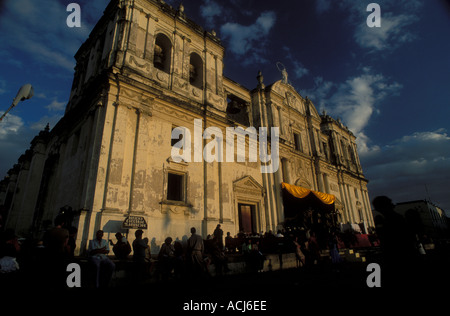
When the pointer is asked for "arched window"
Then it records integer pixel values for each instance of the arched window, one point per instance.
(162, 53)
(196, 71)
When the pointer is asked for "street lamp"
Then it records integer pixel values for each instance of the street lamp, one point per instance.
(25, 93)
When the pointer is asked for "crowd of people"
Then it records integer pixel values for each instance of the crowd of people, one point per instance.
(177, 259)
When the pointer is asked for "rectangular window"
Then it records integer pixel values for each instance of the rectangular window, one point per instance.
(175, 187)
(298, 142)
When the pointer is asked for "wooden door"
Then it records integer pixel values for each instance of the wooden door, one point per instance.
(245, 218)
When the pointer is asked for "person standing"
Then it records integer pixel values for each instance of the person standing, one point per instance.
(195, 252)
(56, 253)
(313, 249)
(298, 253)
(139, 254)
(334, 252)
(166, 258)
(229, 243)
(98, 259)
(396, 241)
(56, 240)
(218, 236)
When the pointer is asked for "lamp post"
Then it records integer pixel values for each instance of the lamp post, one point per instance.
(25, 93)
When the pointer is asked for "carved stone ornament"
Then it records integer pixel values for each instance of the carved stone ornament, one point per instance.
(144, 66)
(161, 76)
(248, 186)
(195, 92)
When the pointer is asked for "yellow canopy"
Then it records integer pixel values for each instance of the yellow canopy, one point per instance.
(301, 192)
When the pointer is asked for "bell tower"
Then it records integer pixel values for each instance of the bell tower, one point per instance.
(152, 42)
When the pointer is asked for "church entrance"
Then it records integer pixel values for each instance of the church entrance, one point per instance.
(247, 218)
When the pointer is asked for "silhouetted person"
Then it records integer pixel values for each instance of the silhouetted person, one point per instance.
(166, 258)
(8, 254)
(122, 247)
(218, 236)
(195, 249)
(255, 259)
(179, 260)
(56, 254)
(219, 259)
(396, 241)
(299, 255)
(334, 251)
(71, 243)
(56, 239)
(313, 249)
(139, 252)
(229, 243)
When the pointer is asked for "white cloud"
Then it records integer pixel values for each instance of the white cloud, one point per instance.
(39, 29)
(438, 135)
(408, 167)
(24, 29)
(396, 17)
(56, 106)
(365, 146)
(43, 121)
(319, 92)
(266, 20)
(249, 40)
(357, 99)
(354, 101)
(10, 125)
(392, 33)
(209, 10)
(16, 135)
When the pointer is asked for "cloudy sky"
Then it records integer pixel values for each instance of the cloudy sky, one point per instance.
(390, 85)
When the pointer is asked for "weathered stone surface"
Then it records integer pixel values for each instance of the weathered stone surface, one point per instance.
(114, 143)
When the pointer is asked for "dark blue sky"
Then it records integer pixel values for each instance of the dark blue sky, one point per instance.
(389, 85)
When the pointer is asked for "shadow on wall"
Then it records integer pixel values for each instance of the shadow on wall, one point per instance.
(155, 248)
(112, 227)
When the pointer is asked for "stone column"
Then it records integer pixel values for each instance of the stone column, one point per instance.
(32, 187)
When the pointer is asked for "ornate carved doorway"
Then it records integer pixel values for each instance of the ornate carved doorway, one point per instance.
(249, 205)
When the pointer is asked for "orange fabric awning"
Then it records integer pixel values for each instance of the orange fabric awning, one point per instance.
(301, 193)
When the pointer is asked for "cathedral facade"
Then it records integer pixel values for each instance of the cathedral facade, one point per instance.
(146, 71)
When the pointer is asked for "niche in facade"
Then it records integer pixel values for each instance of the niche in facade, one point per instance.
(196, 71)
(237, 110)
(162, 53)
